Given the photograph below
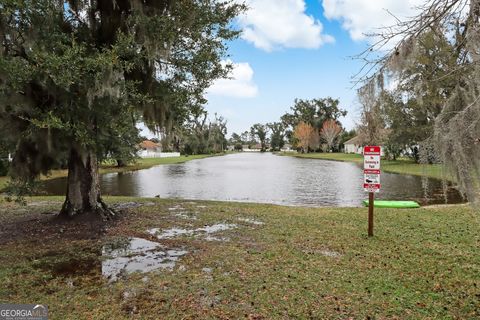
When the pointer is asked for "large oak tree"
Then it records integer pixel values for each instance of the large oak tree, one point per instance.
(74, 74)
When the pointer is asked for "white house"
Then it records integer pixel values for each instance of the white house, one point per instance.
(150, 149)
(287, 148)
(254, 148)
(353, 146)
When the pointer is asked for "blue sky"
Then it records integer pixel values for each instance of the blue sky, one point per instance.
(284, 74)
(298, 49)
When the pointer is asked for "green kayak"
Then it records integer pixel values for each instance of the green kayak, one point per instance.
(393, 204)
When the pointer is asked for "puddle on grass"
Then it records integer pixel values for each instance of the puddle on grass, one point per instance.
(324, 252)
(206, 230)
(330, 253)
(184, 215)
(170, 233)
(251, 221)
(217, 227)
(175, 208)
(137, 255)
(207, 270)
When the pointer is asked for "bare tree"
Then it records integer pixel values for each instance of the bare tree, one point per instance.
(371, 129)
(330, 132)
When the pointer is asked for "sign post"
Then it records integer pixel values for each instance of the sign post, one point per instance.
(371, 179)
(370, 213)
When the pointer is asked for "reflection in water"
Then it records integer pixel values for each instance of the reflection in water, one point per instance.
(266, 178)
(176, 170)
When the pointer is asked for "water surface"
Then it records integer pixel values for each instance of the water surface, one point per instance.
(266, 178)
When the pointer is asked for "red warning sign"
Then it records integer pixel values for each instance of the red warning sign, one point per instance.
(371, 168)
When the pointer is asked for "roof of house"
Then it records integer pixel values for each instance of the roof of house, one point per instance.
(354, 140)
(148, 145)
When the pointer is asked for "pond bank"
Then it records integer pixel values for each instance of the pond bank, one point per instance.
(230, 260)
(401, 166)
(140, 164)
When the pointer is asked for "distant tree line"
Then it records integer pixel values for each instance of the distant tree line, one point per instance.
(310, 125)
(198, 135)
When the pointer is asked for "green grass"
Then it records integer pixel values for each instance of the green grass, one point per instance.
(150, 162)
(348, 157)
(145, 163)
(142, 163)
(402, 166)
(303, 263)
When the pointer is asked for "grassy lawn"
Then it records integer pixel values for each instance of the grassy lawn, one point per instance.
(403, 166)
(302, 263)
(142, 163)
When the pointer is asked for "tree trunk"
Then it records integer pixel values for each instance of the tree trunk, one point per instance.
(83, 186)
(121, 163)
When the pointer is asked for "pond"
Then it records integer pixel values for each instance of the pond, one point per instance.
(266, 178)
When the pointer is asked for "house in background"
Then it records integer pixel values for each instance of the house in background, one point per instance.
(150, 149)
(287, 148)
(353, 146)
(254, 148)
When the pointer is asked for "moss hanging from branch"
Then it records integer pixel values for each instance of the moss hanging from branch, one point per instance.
(456, 131)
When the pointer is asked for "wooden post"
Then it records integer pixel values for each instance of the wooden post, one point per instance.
(370, 213)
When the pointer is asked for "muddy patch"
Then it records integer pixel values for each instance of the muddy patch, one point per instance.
(137, 255)
(75, 267)
(64, 266)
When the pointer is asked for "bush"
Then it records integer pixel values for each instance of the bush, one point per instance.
(4, 167)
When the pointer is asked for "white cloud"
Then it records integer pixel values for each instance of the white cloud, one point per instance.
(273, 24)
(360, 17)
(239, 84)
(145, 132)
